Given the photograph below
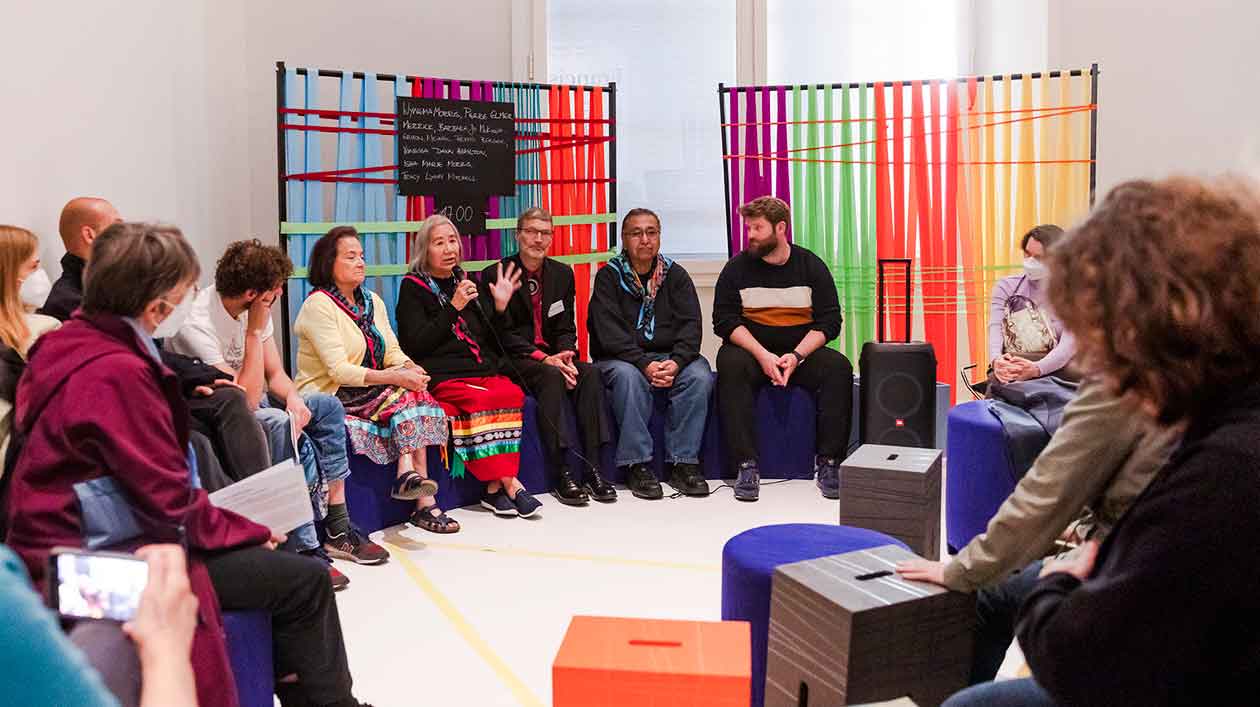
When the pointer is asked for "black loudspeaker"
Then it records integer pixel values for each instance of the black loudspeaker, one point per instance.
(897, 399)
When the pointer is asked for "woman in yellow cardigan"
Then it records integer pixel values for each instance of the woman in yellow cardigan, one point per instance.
(347, 348)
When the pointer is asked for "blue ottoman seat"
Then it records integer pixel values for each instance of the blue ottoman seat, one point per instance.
(748, 563)
(978, 474)
(249, 649)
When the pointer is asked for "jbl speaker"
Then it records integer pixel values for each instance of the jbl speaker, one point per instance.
(897, 399)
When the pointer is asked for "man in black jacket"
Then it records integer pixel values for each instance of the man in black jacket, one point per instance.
(219, 411)
(540, 338)
(644, 326)
(776, 307)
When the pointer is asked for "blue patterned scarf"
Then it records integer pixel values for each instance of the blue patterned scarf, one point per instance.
(644, 292)
(362, 314)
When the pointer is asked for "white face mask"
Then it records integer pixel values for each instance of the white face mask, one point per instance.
(175, 320)
(35, 288)
(1034, 269)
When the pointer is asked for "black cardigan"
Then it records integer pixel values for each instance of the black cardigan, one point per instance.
(1171, 614)
(613, 313)
(425, 334)
(558, 330)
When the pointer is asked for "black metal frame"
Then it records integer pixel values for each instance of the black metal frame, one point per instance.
(723, 89)
(282, 144)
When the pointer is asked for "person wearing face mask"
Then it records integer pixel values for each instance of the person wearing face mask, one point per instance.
(347, 348)
(228, 441)
(541, 339)
(23, 288)
(101, 377)
(444, 323)
(230, 328)
(1026, 340)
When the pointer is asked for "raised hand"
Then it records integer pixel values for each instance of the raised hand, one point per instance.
(506, 283)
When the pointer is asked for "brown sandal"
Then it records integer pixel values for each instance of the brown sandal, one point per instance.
(434, 520)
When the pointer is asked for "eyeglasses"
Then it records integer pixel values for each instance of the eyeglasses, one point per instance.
(648, 233)
(533, 232)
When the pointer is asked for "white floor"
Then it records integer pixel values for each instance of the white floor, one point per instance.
(476, 618)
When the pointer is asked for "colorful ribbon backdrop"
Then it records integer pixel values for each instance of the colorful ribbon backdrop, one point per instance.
(948, 173)
(564, 161)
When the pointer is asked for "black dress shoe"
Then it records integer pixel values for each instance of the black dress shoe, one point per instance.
(598, 487)
(567, 491)
(687, 480)
(642, 482)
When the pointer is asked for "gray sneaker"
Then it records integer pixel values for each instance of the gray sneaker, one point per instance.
(828, 476)
(748, 482)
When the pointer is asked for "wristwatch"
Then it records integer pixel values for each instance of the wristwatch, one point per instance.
(799, 358)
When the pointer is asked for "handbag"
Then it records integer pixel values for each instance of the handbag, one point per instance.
(107, 509)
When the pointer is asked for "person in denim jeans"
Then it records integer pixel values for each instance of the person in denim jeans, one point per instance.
(230, 327)
(644, 326)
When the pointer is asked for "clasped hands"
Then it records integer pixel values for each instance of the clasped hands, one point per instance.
(1009, 368)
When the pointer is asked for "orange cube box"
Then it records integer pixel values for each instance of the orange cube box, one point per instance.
(618, 662)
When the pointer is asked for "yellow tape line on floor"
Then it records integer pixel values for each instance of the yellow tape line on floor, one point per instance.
(519, 690)
(599, 559)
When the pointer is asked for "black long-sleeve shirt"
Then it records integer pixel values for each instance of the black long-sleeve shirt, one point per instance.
(779, 304)
(611, 319)
(1171, 613)
(426, 336)
(559, 324)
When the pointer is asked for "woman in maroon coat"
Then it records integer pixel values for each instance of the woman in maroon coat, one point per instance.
(96, 402)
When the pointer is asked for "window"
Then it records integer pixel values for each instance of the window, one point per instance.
(667, 59)
(815, 41)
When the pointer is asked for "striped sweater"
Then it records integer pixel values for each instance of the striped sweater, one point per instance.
(779, 304)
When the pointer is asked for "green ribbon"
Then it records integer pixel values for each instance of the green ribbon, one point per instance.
(471, 265)
(290, 227)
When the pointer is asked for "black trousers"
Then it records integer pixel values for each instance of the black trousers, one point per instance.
(238, 439)
(305, 626)
(209, 470)
(826, 373)
(546, 383)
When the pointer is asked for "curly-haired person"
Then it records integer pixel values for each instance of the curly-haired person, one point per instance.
(230, 327)
(1161, 286)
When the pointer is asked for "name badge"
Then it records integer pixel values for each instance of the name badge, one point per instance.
(557, 307)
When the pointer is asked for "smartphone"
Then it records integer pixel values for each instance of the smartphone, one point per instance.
(96, 585)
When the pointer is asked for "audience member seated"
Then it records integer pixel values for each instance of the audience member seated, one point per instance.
(83, 671)
(1103, 455)
(541, 339)
(644, 327)
(230, 327)
(346, 348)
(23, 288)
(1161, 286)
(100, 377)
(454, 343)
(218, 408)
(1026, 340)
(775, 307)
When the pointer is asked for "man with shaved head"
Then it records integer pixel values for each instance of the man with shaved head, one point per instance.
(81, 221)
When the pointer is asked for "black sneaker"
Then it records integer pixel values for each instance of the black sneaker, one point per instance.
(748, 482)
(567, 491)
(499, 503)
(352, 546)
(599, 488)
(642, 482)
(525, 503)
(339, 581)
(687, 480)
(828, 476)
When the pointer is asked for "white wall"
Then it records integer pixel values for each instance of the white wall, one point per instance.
(167, 108)
(1177, 88)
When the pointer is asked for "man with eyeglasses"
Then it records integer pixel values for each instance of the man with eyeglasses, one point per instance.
(644, 324)
(541, 341)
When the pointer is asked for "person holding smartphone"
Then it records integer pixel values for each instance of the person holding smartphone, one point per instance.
(84, 669)
(97, 404)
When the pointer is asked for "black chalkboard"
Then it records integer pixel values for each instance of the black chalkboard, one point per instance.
(468, 215)
(455, 148)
